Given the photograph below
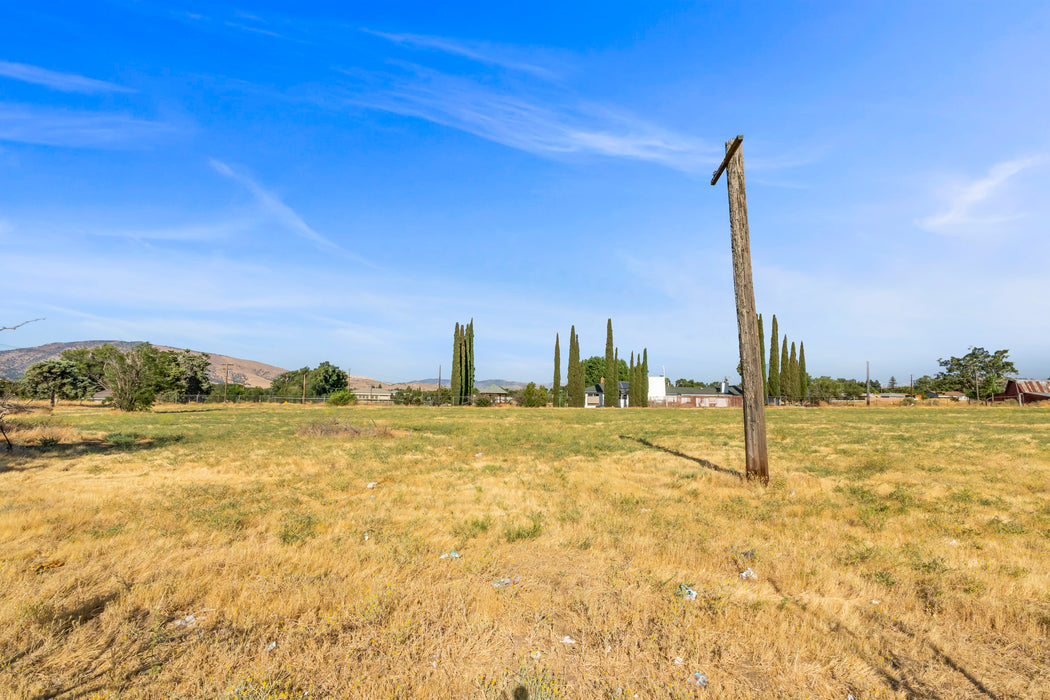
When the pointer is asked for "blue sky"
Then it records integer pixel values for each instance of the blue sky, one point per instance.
(293, 183)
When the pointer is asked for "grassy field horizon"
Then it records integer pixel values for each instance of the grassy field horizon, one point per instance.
(266, 551)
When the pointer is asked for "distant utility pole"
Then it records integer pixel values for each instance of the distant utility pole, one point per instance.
(867, 384)
(226, 385)
(438, 402)
(348, 379)
(755, 451)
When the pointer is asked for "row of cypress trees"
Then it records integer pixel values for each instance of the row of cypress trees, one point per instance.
(787, 376)
(462, 382)
(638, 373)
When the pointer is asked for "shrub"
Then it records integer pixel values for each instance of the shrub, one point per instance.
(483, 402)
(343, 397)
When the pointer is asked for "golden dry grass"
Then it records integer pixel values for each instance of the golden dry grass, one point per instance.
(240, 552)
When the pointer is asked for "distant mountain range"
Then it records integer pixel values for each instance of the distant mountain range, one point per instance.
(505, 383)
(13, 364)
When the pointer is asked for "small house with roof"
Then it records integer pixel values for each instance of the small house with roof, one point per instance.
(594, 395)
(496, 394)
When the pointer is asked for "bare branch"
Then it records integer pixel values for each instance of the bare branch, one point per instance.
(11, 328)
(10, 405)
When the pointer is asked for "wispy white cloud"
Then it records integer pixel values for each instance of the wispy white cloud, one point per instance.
(284, 215)
(78, 129)
(980, 208)
(551, 125)
(63, 82)
(478, 51)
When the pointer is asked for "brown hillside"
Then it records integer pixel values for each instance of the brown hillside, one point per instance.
(13, 363)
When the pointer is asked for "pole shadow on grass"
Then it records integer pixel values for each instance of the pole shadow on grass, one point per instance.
(24, 457)
(699, 460)
(899, 663)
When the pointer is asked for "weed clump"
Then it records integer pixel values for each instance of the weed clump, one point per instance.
(297, 527)
(513, 533)
(342, 429)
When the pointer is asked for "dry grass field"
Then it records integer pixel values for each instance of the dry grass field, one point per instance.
(286, 551)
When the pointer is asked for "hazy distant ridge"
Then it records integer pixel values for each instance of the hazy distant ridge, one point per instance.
(13, 363)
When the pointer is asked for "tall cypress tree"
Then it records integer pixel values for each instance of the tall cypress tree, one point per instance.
(557, 372)
(645, 378)
(803, 378)
(457, 370)
(575, 383)
(762, 354)
(468, 385)
(609, 392)
(785, 385)
(793, 373)
(632, 382)
(774, 362)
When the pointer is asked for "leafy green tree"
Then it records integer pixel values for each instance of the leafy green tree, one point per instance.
(56, 379)
(978, 373)
(91, 362)
(594, 369)
(773, 385)
(342, 397)
(825, 388)
(324, 380)
(556, 386)
(289, 383)
(533, 396)
(133, 378)
(193, 372)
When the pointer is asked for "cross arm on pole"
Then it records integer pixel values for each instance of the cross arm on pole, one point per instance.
(729, 156)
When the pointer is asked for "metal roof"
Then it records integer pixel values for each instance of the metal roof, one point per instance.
(1032, 386)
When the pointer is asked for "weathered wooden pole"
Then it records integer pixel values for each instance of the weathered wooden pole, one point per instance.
(756, 454)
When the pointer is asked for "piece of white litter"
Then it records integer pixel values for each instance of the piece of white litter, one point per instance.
(698, 679)
(188, 620)
(535, 654)
(372, 485)
(272, 646)
(953, 543)
(451, 555)
(608, 649)
(568, 640)
(647, 510)
(874, 602)
(479, 454)
(679, 660)
(366, 537)
(748, 574)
